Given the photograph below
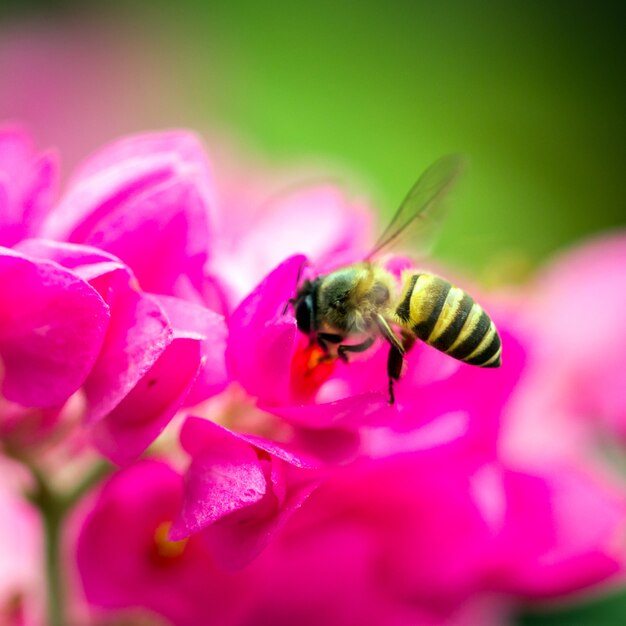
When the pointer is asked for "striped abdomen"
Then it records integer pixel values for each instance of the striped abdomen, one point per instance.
(448, 319)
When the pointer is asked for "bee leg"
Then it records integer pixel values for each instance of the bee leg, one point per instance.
(394, 369)
(408, 340)
(322, 344)
(397, 349)
(344, 348)
(388, 333)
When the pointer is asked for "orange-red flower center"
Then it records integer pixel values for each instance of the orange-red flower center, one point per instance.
(311, 367)
(164, 547)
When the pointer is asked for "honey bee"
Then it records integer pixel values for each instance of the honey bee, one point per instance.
(361, 302)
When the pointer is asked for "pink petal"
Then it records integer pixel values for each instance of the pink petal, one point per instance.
(254, 486)
(85, 261)
(564, 528)
(261, 339)
(27, 185)
(138, 335)
(198, 434)
(352, 412)
(22, 549)
(315, 221)
(238, 539)
(224, 476)
(152, 189)
(576, 315)
(146, 409)
(207, 327)
(52, 329)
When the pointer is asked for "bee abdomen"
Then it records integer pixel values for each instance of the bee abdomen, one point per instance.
(449, 319)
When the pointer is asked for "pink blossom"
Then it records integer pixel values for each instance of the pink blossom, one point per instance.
(347, 510)
(26, 186)
(141, 567)
(52, 327)
(239, 491)
(326, 576)
(414, 539)
(154, 189)
(21, 553)
(268, 356)
(149, 360)
(258, 232)
(576, 313)
(571, 390)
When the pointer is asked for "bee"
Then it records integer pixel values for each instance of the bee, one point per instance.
(346, 310)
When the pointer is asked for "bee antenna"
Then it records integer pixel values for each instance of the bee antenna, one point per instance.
(301, 271)
(289, 302)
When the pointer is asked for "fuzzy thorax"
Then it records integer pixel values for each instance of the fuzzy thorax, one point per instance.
(349, 299)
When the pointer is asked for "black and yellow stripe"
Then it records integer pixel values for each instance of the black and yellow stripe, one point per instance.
(448, 319)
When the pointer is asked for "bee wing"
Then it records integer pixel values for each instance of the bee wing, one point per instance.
(419, 213)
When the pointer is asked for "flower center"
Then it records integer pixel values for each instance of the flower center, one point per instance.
(311, 367)
(165, 548)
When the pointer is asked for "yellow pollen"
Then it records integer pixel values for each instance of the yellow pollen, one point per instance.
(166, 548)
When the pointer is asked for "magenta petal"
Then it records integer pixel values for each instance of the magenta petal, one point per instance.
(209, 328)
(582, 347)
(563, 531)
(138, 334)
(139, 330)
(52, 327)
(150, 189)
(170, 222)
(261, 339)
(181, 147)
(27, 184)
(222, 478)
(316, 221)
(142, 413)
(349, 412)
(198, 434)
(240, 527)
(238, 539)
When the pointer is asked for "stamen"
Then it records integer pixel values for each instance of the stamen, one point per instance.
(311, 367)
(165, 548)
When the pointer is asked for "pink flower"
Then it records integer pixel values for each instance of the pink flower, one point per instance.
(252, 239)
(140, 566)
(441, 526)
(52, 328)
(153, 190)
(21, 553)
(324, 577)
(272, 360)
(155, 352)
(26, 186)
(347, 509)
(415, 539)
(572, 388)
(239, 491)
(577, 318)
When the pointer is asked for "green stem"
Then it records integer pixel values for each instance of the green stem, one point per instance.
(52, 511)
(56, 590)
(54, 507)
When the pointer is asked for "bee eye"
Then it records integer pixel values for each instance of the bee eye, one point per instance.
(304, 314)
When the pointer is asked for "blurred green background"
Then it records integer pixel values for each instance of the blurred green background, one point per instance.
(532, 92)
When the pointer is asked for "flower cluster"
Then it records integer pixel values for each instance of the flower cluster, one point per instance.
(144, 319)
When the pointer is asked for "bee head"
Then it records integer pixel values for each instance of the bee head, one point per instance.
(304, 307)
